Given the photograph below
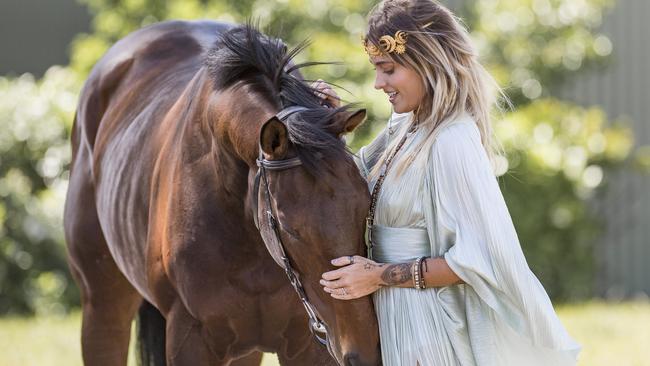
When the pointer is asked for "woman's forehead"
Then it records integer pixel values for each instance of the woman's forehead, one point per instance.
(378, 60)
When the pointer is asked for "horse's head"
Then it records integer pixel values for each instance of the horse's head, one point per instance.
(319, 215)
(301, 175)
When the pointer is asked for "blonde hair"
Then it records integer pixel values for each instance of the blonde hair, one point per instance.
(440, 50)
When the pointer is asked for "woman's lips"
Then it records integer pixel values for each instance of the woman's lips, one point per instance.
(392, 96)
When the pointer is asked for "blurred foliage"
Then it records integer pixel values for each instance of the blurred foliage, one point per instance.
(557, 155)
(36, 117)
(530, 46)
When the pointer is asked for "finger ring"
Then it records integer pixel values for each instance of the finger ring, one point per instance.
(345, 293)
(351, 258)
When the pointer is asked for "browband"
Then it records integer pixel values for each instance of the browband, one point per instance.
(285, 113)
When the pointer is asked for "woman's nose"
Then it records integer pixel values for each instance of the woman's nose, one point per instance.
(379, 82)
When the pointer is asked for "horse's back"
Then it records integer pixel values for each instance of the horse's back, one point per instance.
(168, 52)
(118, 136)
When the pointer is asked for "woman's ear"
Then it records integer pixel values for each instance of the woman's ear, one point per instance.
(274, 139)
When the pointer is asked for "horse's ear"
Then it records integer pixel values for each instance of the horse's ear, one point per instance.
(274, 139)
(349, 121)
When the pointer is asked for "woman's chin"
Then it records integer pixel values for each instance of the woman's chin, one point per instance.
(401, 109)
(398, 108)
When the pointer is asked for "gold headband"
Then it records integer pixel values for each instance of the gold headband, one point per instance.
(387, 44)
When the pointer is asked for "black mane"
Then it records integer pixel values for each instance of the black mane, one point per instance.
(244, 55)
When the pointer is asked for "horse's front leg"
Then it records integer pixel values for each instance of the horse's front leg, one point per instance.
(253, 359)
(109, 301)
(108, 311)
(313, 354)
(299, 347)
(189, 342)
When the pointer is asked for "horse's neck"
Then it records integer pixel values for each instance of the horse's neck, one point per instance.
(238, 115)
(221, 130)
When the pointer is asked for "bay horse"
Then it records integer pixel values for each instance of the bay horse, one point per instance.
(159, 214)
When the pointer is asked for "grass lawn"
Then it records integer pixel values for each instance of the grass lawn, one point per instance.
(611, 334)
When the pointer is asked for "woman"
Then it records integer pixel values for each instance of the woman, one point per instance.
(449, 280)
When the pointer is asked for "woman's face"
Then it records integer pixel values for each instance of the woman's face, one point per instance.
(402, 84)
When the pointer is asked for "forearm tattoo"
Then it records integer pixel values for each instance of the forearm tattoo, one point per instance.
(396, 274)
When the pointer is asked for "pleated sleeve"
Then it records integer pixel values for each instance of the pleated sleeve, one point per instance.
(485, 252)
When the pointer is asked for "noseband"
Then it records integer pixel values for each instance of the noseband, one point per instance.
(273, 241)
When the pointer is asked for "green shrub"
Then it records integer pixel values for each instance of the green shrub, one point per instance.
(34, 154)
(557, 159)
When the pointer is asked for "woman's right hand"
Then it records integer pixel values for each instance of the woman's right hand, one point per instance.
(324, 91)
(357, 277)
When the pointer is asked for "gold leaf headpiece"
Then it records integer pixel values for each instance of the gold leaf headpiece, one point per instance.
(387, 44)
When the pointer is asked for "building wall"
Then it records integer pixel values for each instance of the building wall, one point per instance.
(623, 91)
(35, 34)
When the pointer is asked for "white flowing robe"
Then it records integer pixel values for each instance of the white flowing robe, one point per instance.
(502, 315)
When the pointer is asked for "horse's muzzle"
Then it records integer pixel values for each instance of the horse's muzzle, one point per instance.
(352, 359)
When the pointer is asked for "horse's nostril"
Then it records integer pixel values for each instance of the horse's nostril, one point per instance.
(351, 359)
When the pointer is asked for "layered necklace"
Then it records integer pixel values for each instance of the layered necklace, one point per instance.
(370, 219)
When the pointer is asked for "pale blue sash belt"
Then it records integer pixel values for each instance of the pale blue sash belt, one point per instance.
(399, 244)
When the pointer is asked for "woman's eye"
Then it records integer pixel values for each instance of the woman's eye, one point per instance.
(389, 72)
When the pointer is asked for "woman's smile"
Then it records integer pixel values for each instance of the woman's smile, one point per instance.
(402, 84)
(392, 96)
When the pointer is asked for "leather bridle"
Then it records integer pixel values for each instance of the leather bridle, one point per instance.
(269, 229)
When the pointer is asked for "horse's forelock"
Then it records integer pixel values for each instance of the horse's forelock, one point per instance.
(244, 55)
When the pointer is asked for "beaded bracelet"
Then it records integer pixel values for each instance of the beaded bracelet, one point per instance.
(418, 279)
(423, 263)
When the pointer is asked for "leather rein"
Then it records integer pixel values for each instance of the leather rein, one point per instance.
(273, 241)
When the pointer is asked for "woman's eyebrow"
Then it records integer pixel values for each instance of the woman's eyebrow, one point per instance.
(381, 62)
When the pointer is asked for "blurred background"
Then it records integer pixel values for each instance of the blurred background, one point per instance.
(575, 172)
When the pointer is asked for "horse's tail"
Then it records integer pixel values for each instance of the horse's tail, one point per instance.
(151, 336)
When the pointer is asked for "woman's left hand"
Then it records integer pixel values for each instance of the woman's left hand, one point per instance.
(324, 91)
(357, 277)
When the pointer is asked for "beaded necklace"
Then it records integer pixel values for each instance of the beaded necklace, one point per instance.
(375, 194)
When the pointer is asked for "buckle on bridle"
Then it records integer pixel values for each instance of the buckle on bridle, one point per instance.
(272, 221)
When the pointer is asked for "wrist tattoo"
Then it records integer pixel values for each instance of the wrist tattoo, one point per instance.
(396, 274)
